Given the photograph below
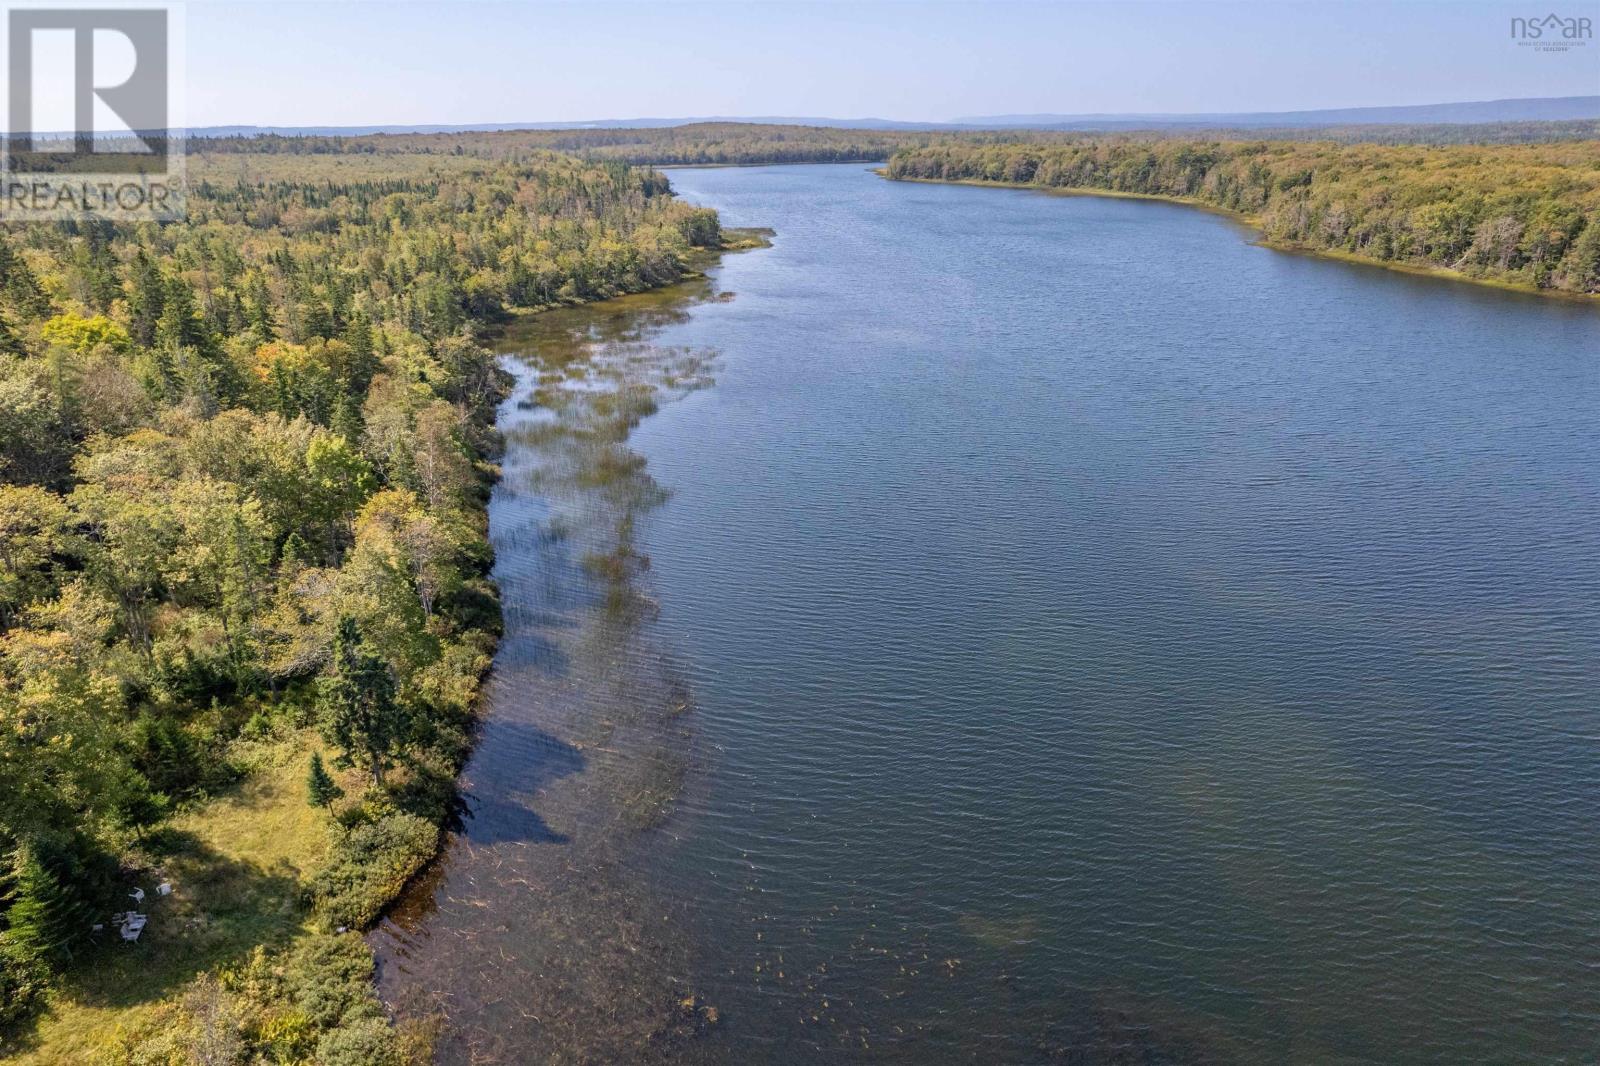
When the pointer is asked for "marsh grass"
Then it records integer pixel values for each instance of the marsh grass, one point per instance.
(609, 964)
(611, 466)
(660, 782)
(593, 406)
(739, 239)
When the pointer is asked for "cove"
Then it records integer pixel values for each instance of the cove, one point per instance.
(1097, 639)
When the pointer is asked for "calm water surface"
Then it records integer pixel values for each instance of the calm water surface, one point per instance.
(1114, 642)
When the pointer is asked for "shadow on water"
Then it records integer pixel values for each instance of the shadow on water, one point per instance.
(546, 654)
(496, 810)
(530, 936)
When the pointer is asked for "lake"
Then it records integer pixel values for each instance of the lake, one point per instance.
(1064, 632)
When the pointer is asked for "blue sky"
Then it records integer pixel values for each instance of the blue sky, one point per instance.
(363, 62)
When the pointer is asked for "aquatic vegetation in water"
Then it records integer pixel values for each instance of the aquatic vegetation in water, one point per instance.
(1001, 931)
(604, 967)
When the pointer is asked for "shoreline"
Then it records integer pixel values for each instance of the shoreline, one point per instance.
(585, 744)
(735, 240)
(1254, 223)
(766, 163)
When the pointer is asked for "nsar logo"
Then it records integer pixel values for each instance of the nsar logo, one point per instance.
(1553, 33)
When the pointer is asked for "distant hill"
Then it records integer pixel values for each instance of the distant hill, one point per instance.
(595, 124)
(1537, 109)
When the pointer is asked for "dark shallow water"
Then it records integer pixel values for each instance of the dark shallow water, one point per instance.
(1114, 642)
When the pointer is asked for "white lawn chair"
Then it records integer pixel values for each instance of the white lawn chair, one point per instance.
(133, 926)
(164, 888)
(138, 895)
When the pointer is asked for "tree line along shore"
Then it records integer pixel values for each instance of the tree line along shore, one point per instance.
(244, 594)
(1524, 216)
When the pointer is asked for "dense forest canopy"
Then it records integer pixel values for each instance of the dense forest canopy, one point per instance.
(702, 142)
(1427, 133)
(243, 467)
(1521, 214)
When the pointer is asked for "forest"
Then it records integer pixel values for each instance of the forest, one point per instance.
(244, 594)
(747, 143)
(1524, 215)
(703, 143)
(1400, 133)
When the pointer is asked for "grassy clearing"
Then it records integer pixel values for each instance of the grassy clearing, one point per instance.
(236, 864)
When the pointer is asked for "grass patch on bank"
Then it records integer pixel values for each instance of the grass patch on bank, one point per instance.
(739, 239)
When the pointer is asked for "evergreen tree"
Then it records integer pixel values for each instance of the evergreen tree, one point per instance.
(321, 790)
(134, 804)
(296, 553)
(19, 286)
(45, 918)
(146, 299)
(346, 419)
(236, 319)
(260, 313)
(179, 326)
(363, 358)
(10, 343)
(357, 702)
(284, 400)
(196, 381)
(96, 273)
